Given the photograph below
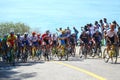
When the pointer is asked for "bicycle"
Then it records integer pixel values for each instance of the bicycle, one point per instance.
(11, 55)
(110, 53)
(83, 50)
(72, 49)
(46, 52)
(39, 53)
(25, 53)
(97, 50)
(63, 52)
(54, 51)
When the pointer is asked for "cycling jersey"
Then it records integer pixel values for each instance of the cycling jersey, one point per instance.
(92, 30)
(4, 44)
(19, 42)
(25, 41)
(11, 40)
(97, 37)
(84, 38)
(72, 40)
(39, 40)
(45, 38)
(54, 40)
(62, 41)
(34, 40)
(106, 26)
(111, 35)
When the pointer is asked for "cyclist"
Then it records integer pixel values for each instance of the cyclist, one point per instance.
(46, 38)
(72, 42)
(111, 36)
(60, 30)
(62, 42)
(19, 45)
(39, 39)
(84, 39)
(34, 43)
(96, 26)
(106, 25)
(97, 37)
(4, 47)
(116, 24)
(25, 41)
(11, 39)
(34, 39)
(54, 39)
(11, 47)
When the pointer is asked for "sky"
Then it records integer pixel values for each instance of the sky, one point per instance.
(42, 15)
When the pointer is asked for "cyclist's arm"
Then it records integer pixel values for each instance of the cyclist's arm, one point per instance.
(116, 37)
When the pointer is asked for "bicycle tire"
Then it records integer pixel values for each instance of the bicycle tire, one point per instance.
(105, 55)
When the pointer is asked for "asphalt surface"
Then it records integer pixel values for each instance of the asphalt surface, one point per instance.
(73, 69)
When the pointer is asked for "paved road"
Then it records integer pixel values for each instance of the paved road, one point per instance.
(74, 69)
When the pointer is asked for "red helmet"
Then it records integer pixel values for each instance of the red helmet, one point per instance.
(33, 33)
(38, 35)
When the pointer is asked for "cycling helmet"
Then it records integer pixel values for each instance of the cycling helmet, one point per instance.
(18, 34)
(25, 34)
(38, 35)
(33, 33)
(47, 31)
(12, 33)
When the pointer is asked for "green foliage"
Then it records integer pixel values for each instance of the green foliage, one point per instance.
(16, 27)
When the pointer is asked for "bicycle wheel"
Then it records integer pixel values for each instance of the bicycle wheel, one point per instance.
(66, 54)
(53, 53)
(82, 53)
(99, 52)
(105, 55)
(73, 52)
(114, 56)
(12, 57)
(38, 54)
(33, 52)
(59, 55)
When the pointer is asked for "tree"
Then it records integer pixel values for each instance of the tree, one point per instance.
(17, 27)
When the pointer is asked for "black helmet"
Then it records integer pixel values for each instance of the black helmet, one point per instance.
(18, 34)
(25, 34)
(12, 32)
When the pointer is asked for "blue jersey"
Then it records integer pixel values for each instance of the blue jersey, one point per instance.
(62, 40)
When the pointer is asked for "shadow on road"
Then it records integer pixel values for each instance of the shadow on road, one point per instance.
(8, 72)
(14, 75)
(29, 63)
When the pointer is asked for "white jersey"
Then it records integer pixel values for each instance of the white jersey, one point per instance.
(92, 30)
(106, 26)
(33, 38)
(97, 28)
(54, 38)
(24, 39)
(111, 33)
